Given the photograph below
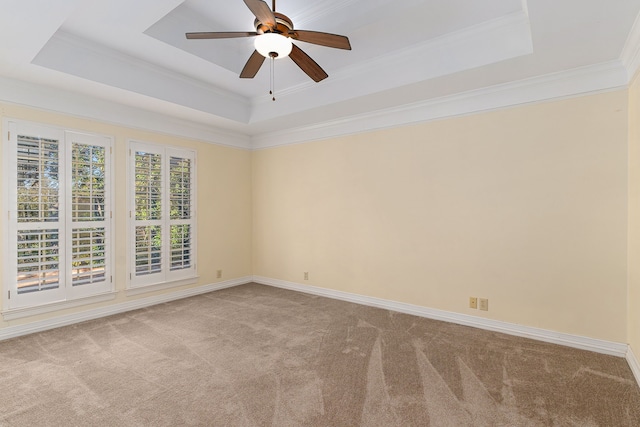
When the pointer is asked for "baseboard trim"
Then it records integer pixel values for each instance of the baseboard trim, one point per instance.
(634, 364)
(575, 341)
(70, 319)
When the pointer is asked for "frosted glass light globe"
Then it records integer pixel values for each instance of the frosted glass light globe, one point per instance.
(273, 45)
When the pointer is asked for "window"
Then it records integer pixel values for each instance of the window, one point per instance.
(163, 214)
(58, 193)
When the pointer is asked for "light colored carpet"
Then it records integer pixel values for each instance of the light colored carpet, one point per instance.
(259, 356)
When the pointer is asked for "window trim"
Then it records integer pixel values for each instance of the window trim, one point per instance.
(10, 262)
(169, 279)
(67, 296)
(34, 310)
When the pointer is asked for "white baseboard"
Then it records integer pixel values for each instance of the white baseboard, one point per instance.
(575, 341)
(634, 364)
(69, 319)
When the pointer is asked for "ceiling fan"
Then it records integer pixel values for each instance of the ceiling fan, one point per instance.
(274, 33)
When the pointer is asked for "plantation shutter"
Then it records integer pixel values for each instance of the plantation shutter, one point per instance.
(38, 227)
(163, 220)
(148, 209)
(59, 215)
(180, 210)
(89, 204)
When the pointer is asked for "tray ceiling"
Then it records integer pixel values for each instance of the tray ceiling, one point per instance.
(407, 51)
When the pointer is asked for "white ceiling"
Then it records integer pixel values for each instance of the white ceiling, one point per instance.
(91, 57)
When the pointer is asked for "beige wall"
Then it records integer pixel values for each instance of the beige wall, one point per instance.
(634, 217)
(224, 201)
(526, 206)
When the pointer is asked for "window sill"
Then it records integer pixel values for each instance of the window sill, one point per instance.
(160, 286)
(19, 313)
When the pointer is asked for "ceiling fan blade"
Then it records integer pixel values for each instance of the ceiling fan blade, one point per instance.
(307, 64)
(261, 11)
(322, 39)
(252, 66)
(221, 35)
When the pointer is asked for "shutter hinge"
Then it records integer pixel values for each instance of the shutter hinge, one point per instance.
(110, 214)
(111, 279)
(9, 135)
(130, 276)
(8, 294)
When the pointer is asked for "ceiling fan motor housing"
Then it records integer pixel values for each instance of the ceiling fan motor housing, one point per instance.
(283, 25)
(275, 35)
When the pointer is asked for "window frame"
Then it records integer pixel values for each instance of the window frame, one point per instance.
(166, 277)
(14, 303)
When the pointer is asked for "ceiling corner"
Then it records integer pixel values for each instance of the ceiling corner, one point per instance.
(630, 55)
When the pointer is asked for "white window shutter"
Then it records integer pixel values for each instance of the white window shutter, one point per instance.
(162, 220)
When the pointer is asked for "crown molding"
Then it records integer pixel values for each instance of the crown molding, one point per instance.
(591, 79)
(630, 56)
(459, 40)
(61, 101)
(138, 76)
(475, 46)
(580, 81)
(608, 76)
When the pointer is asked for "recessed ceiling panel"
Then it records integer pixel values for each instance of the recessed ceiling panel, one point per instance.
(230, 54)
(403, 52)
(72, 55)
(376, 28)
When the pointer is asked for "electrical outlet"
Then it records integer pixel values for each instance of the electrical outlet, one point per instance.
(306, 275)
(483, 304)
(473, 302)
(219, 274)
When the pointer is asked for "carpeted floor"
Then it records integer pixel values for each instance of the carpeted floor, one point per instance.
(259, 356)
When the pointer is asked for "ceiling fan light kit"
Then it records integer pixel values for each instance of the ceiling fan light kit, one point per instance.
(274, 35)
(273, 45)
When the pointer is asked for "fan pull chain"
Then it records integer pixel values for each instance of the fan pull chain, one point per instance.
(272, 83)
